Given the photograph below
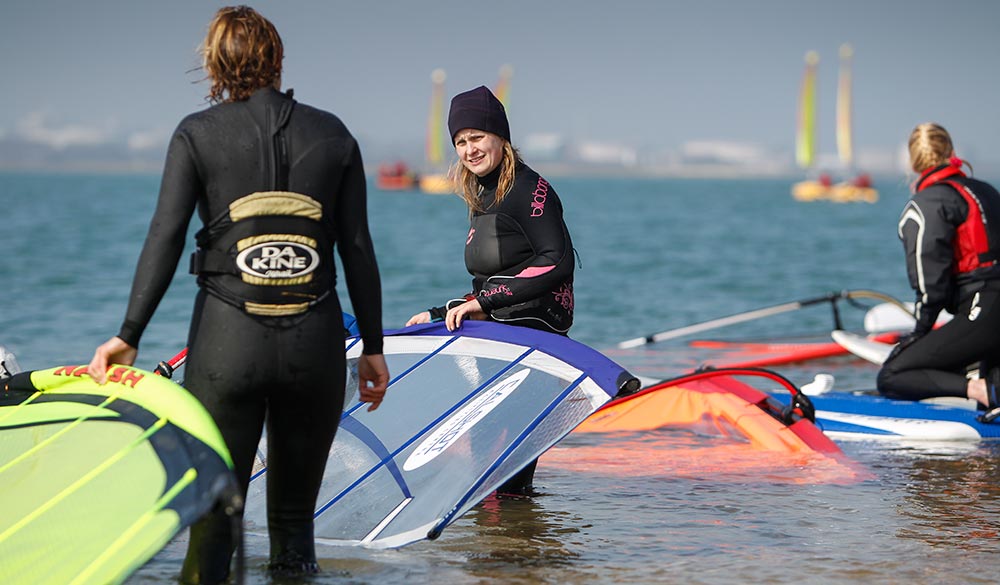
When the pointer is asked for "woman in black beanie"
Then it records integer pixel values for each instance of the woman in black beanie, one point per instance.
(518, 249)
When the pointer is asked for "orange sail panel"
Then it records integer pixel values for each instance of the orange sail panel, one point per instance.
(715, 403)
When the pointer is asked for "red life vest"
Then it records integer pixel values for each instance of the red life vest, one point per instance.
(971, 244)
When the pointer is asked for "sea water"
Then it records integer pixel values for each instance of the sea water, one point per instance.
(661, 507)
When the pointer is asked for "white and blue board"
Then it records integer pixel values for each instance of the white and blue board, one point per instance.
(867, 415)
(464, 412)
(843, 415)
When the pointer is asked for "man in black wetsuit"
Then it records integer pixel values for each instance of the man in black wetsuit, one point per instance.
(951, 234)
(277, 184)
(518, 249)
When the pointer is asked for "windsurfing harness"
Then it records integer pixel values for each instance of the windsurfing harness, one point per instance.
(269, 254)
(951, 243)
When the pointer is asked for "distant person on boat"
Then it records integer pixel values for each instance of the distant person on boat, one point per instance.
(950, 230)
(276, 184)
(518, 249)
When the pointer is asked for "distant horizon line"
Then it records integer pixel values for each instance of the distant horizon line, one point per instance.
(561, 170)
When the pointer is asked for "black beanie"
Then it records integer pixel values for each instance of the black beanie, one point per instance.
(479, 109)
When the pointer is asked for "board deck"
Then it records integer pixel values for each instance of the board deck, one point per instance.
(870, 416)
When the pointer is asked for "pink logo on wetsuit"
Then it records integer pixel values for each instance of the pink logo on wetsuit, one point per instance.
(500, 289)
(468, 240)
(564, 296)
(539, 196)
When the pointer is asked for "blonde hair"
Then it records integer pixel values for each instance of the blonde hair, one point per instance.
(242, 53)
(930, 146)
(467, 182)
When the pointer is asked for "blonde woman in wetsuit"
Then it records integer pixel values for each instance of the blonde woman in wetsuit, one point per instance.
(518, 249)
(950, 231)
(277, 183)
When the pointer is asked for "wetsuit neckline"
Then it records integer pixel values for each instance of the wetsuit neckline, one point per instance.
(490, 181)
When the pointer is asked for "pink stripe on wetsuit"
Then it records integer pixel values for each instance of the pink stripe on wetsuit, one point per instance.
(533, 271)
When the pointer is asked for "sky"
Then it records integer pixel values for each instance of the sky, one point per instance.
(653, 75)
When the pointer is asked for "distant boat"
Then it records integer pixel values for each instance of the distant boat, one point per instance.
(395, 176)
(858, 188)
(436, 181)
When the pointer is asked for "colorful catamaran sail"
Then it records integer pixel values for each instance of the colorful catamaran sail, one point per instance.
(845, 146)
(436, 180)
(805, 138)
(502, 90)
(859, 187)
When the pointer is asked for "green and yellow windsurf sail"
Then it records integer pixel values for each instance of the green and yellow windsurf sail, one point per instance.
(805, 139)
(94, 479)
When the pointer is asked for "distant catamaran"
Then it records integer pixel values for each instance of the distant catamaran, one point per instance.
(857, 189)
(436, 179)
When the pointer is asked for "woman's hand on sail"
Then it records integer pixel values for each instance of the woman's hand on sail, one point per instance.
(467, 310)
(112, 351)
(373, 379)
(419, 318)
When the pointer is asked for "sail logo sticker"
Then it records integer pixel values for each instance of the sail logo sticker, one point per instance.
(463, 420)
(123, 375)
(278, 260)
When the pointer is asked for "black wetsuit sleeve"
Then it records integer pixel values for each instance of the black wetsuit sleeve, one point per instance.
(179, 191)
(552, 261)
(927, 229)
(358, 254)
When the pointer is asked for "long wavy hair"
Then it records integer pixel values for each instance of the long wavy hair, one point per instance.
(467, 183)
(242, 53)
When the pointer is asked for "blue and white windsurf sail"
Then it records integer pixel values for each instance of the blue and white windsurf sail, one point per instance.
(464, 412)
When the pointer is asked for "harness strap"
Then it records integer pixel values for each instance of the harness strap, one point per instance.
(207, 261)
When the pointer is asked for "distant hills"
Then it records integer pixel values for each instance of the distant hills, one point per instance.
(550, 154)
(24, 155)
